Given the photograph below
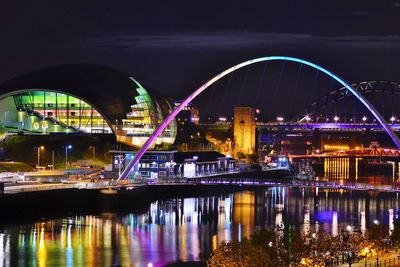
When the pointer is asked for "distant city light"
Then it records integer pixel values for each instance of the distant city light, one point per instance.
(336, 147)
(258, 111)
(307, 118)
(364, 119)
(376, 222)
(279, 118)
(222, 118)
(392, 119)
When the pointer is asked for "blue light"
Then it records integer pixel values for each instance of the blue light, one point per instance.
(69, 146)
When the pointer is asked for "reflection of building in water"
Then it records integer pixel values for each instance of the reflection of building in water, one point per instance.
(335, 229)
(391, 220)
(336, 168)
(243, 211)
(307, 221)
(363, 222)
(187, 229)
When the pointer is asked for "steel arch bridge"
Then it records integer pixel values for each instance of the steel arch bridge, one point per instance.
(362, 87)
(163, 125)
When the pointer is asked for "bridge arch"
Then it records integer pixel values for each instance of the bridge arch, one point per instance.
(337, 94)
(199, 90)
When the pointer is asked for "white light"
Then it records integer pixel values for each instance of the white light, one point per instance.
(149, 264)
(364, 118)
(222, 118)
(270, 244)
(69, 146)
(392, 119)
(279, 118)
(307, 118)
(314, 235)
(336, 118)
(348, 228)
(376, 222)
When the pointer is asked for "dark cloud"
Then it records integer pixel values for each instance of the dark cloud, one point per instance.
(225, 40)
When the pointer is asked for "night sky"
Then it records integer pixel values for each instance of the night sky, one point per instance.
(174, 46)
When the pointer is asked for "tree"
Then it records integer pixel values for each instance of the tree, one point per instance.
(378, 236)
(351, 245)
(235, 254)
(323, 248)
(395, 237)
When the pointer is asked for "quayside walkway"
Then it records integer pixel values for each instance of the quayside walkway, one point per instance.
(205, 181)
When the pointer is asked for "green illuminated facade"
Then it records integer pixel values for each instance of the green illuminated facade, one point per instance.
(45, 111)
(144, 118)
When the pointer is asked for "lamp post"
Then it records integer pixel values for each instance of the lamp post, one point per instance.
(364, 119)
(52, 159)
(66, 155)
(38, 154)
(336, 118)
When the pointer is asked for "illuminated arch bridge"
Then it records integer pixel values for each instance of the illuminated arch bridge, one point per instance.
(83, 98)
(346, 85)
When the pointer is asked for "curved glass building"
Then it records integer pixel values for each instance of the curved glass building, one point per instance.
(83, 98)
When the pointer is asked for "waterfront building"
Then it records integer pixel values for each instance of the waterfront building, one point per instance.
(84, 99)
(156, 164)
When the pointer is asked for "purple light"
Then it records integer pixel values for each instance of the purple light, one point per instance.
(163, 125)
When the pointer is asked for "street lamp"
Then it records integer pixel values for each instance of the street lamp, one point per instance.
(336, 118)
(38, 154)
(307, 118)
(364, 119)
(392, 119)
(66, 155)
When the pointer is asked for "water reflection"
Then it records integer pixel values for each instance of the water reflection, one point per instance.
(359, 170)
(188, 229)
